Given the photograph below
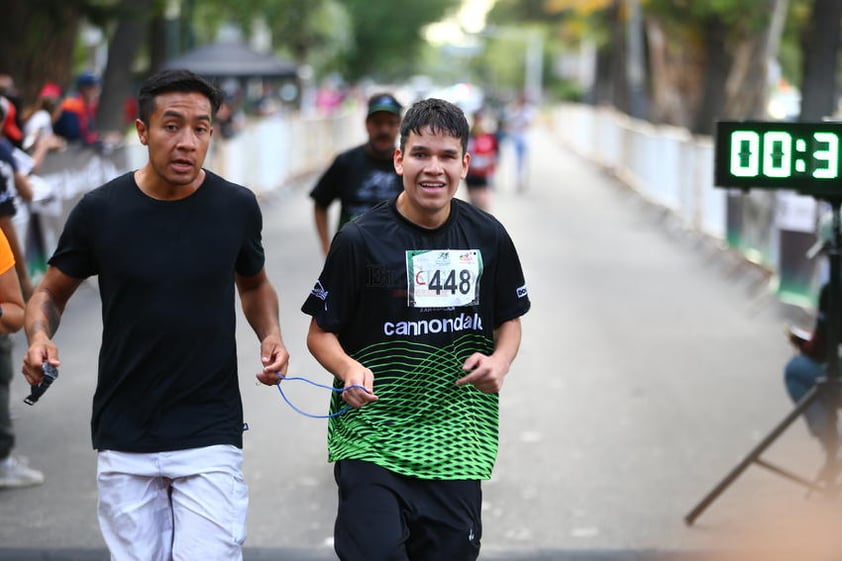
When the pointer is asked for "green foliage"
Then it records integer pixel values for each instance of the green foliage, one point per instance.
(314, 32)
(789, 54)
(332, 26)
(293, 24)
(387, 35)
(744, 16)
(361, 37)
(564, 90)
(506, 12)
(504, 59)
(37, 40)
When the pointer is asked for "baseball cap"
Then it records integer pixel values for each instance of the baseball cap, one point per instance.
(86, 79)
(50, 90)
(384, 102)
(9, 122)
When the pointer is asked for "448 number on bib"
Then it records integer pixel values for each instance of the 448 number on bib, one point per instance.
(443, 278)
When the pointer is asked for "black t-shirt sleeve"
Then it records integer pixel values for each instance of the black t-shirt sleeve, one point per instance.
(326, 189)
(511, 297)
(252, 256)
(73, 256)
(332, 301)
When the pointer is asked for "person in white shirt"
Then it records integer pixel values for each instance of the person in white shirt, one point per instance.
(39, 118)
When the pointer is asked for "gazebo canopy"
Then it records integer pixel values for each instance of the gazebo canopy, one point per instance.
(232, 59)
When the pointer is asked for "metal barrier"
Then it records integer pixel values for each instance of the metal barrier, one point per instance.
(674, 169)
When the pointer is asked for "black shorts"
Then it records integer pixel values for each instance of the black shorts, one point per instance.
(384, 516)
(476, 181)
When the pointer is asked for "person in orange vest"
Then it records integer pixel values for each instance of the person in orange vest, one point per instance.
(76, 117)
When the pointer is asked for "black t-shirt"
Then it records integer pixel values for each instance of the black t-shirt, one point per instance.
(167, 365)
(412, 305)
(359, 181)
(816, 346)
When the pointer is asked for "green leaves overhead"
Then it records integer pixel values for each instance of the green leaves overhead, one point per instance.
(388, 34)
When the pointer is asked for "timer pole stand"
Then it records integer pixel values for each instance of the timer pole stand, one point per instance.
(826, 388)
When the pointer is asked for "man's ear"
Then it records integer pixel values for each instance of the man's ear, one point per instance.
(140, 127)
(397, 159)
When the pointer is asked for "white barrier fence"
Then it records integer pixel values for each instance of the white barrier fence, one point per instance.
(674, 169)
(667, 165)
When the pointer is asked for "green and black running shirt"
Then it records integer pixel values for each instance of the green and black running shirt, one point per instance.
(412, 305)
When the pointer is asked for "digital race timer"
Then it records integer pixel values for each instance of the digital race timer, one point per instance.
(779, 155)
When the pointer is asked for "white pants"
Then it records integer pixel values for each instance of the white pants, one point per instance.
(184, 505)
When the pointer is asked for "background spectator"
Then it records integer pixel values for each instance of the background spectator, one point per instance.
(77, 112)
(39, 117)
(13, 180)
(484, 149)
(12, 124)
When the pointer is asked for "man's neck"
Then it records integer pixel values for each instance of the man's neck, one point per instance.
(377, 154)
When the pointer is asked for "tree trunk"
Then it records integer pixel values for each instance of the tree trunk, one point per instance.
(821, 50)
(158, 41)
(635, 64)
(600, 92)
(716, 65)
(677, 67)
(609, 63)
(620, 89)
(118, 82)
(49, 31)
(669, 104)
(748, 81)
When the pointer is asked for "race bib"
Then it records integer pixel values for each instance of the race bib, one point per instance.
(443, 278)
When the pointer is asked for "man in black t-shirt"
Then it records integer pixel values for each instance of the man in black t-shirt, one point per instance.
(416, 313)
(362, 176)
(172, 245)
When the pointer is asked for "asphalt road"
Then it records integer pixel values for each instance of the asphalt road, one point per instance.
(651, 363)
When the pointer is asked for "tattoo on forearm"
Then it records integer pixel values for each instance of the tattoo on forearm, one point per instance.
(52, 315)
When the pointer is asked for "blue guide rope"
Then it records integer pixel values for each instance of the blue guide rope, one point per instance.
(318, 385)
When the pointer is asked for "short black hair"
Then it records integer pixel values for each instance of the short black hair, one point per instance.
(174, 80)
(441, 116)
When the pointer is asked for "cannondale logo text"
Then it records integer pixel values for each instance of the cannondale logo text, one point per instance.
(462, 322)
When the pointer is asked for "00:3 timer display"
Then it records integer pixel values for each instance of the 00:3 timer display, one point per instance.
(801, 156)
